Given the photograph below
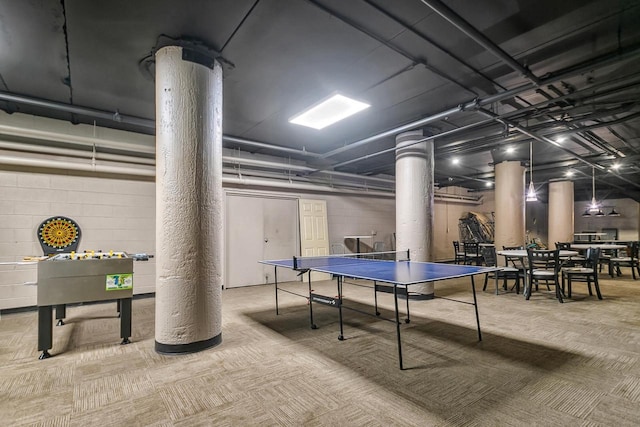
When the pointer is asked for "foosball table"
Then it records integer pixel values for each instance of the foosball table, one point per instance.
(68, 278)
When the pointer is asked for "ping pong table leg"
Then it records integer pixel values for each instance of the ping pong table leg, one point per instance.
(475, 305)
(375, 298)
(313, 325)
(275, 277)
(341, 336)
(406, 291)
(395, 300)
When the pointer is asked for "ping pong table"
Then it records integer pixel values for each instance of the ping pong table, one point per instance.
(397, 274)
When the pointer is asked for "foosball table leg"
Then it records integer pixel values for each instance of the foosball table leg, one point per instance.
(45, 330)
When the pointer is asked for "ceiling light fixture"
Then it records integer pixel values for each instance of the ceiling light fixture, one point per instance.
(586, 213)
(531, 194)
(614, 212)
(328, 111)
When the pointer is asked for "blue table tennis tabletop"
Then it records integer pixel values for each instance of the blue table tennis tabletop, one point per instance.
(395, 272)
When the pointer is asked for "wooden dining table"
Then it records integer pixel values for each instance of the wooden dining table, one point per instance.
(603, 246)
(522, 254)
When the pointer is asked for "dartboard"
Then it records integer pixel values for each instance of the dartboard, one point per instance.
(58, 233)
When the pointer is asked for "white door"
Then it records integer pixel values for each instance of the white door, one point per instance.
(257, 229)
(314, 234)
(280, 236)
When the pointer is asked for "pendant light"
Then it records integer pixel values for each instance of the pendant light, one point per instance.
(594, 204)
(531, 194)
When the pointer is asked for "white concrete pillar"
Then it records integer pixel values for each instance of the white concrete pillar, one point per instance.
(510, 205)
(561, 217)
(414, 201)
(189, 221)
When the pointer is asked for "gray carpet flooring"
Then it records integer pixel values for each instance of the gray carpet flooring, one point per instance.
(539, 363)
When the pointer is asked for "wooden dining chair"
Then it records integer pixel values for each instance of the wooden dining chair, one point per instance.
(504, 274)
(569, 261)
(631, 260)
(472, 253)
(458, 253)
(586, 273)
(544, 265)
(517, 262)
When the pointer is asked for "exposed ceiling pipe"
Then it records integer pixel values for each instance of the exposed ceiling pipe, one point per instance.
(283, 177)
(407, 144)
(300, 168)
(398, 50)
(491, 141)
(457, 198)
(604, 60)
(76, 139)
(557, 145)
(83, 111)
(470, 126)
(300, 186)
(131, 146)
(264, 164)
(150, 172)
(257, 144)
(457, 21)
(601, 61)
(53, 164)
(528, 133)
(86, 141)
(408, 27)
(394, 131)
(70, 152)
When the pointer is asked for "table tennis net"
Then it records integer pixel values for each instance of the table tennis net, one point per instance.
(302, 263)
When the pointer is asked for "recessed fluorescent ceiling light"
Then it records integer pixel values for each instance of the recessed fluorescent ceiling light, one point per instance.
(328, 111)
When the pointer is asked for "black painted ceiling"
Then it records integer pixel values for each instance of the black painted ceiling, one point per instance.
(505, 71)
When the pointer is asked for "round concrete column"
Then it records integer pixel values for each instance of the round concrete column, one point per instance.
(510, 206)
(560, 212)
(414, 201)
(189, 226)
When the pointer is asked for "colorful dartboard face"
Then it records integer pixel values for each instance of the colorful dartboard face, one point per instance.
(58, 232)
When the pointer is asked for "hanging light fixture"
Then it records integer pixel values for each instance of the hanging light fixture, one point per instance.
(586, 213)
(613, 212)
(531, 194)
(594, 205)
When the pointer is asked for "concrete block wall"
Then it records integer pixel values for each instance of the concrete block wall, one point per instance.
(351, 215)
(113, 214)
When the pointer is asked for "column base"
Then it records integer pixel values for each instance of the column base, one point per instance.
(193, 347)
